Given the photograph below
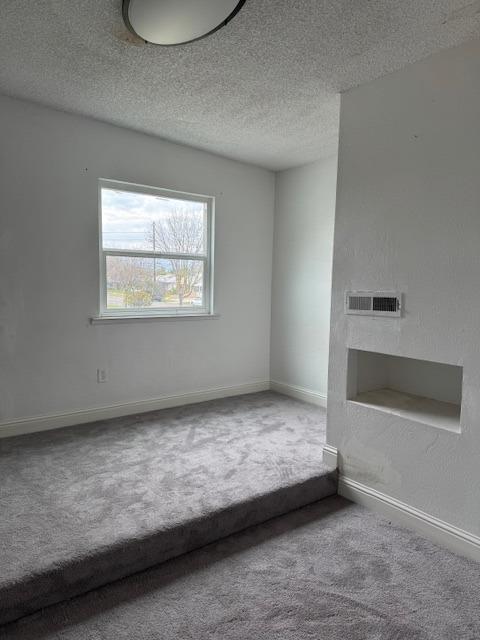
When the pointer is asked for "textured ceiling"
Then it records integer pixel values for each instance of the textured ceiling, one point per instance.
(264, 89)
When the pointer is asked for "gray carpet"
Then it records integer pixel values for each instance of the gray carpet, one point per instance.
(87, 505)
(332, 571)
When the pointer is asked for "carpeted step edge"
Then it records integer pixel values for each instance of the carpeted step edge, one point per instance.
(134, 555)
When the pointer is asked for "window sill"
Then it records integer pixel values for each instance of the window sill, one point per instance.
(152, 318)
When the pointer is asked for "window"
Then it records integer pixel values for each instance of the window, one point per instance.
(156, 251)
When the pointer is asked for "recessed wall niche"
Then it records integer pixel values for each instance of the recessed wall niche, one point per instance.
(419, 390)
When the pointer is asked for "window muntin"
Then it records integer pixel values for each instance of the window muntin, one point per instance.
(156, 251)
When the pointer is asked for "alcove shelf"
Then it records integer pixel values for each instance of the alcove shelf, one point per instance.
(419, 390)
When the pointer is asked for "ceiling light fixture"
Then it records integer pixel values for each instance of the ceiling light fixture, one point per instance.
(173, 22)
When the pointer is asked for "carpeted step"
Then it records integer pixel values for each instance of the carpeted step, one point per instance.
(330, 570)
(88, 505)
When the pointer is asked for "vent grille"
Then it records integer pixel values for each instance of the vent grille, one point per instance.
(385, 304)
(373, 303)
(359, 303)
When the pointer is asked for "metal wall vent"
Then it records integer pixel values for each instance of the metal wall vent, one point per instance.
(373, 303)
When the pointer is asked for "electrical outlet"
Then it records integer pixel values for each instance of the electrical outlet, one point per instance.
(101, 375)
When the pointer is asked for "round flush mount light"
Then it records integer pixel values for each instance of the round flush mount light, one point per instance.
(172, 22)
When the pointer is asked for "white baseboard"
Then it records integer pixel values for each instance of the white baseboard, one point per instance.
(443, 533)
(300, 393)
(58, 420)
(330, 456)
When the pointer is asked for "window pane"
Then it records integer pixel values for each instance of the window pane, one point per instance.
(148, 283)
(153, 223)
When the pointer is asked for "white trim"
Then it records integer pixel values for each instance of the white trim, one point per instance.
(330, 456)
(140, 253)
(445, 534)
(179, 316)
(136, 187)
(300, 393)
(56, 421)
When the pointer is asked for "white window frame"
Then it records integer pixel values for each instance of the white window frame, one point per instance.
(207, 258)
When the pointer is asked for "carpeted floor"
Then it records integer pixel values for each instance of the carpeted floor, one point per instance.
(86, 505)
(332, 571)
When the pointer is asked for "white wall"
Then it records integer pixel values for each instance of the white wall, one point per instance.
(49, 353)
(408, 219)
(302, 268)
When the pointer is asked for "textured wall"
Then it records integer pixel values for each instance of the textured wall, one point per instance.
(408, 218)
(302, 269)
(49, 353)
